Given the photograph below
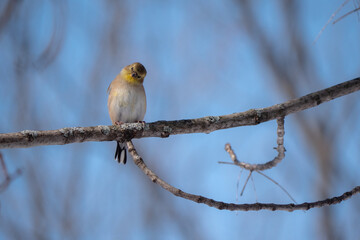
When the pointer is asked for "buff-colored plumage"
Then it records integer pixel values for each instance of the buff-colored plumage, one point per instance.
(127, 100)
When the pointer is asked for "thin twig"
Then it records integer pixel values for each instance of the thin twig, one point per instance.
(237, 184)
(345, 15)
(246, 181)
(230, 163)
(253, 183)
(232, 206)
(287, 193)
(282, 188)
(260, 167)
(330, 19)
(263, 166)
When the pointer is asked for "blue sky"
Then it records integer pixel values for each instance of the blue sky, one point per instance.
(200, 61)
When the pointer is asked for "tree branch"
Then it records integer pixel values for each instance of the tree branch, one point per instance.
(262, 166)
(232, 206)
(127, 131)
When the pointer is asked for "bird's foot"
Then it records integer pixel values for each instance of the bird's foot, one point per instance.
(118, 123)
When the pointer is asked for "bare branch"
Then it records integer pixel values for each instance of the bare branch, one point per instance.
(260, 167)
(232, 206)
(208, 124)
(264, 166)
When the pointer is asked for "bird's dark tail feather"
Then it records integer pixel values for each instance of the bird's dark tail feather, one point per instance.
(120, 153)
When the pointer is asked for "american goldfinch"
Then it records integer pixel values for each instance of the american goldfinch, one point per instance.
(127, 100)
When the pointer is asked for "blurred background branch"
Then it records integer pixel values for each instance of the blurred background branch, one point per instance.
(6, 178)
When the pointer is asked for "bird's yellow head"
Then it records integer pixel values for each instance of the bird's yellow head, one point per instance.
(134, 73)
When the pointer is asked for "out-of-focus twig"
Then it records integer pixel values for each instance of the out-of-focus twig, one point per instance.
(8, 11)
(54, 45)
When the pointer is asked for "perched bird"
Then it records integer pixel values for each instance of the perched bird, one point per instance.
(127, 100)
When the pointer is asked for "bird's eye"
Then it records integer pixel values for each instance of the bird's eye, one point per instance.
(138, 76)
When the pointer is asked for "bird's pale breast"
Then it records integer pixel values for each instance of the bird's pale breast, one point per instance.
(127, 104)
